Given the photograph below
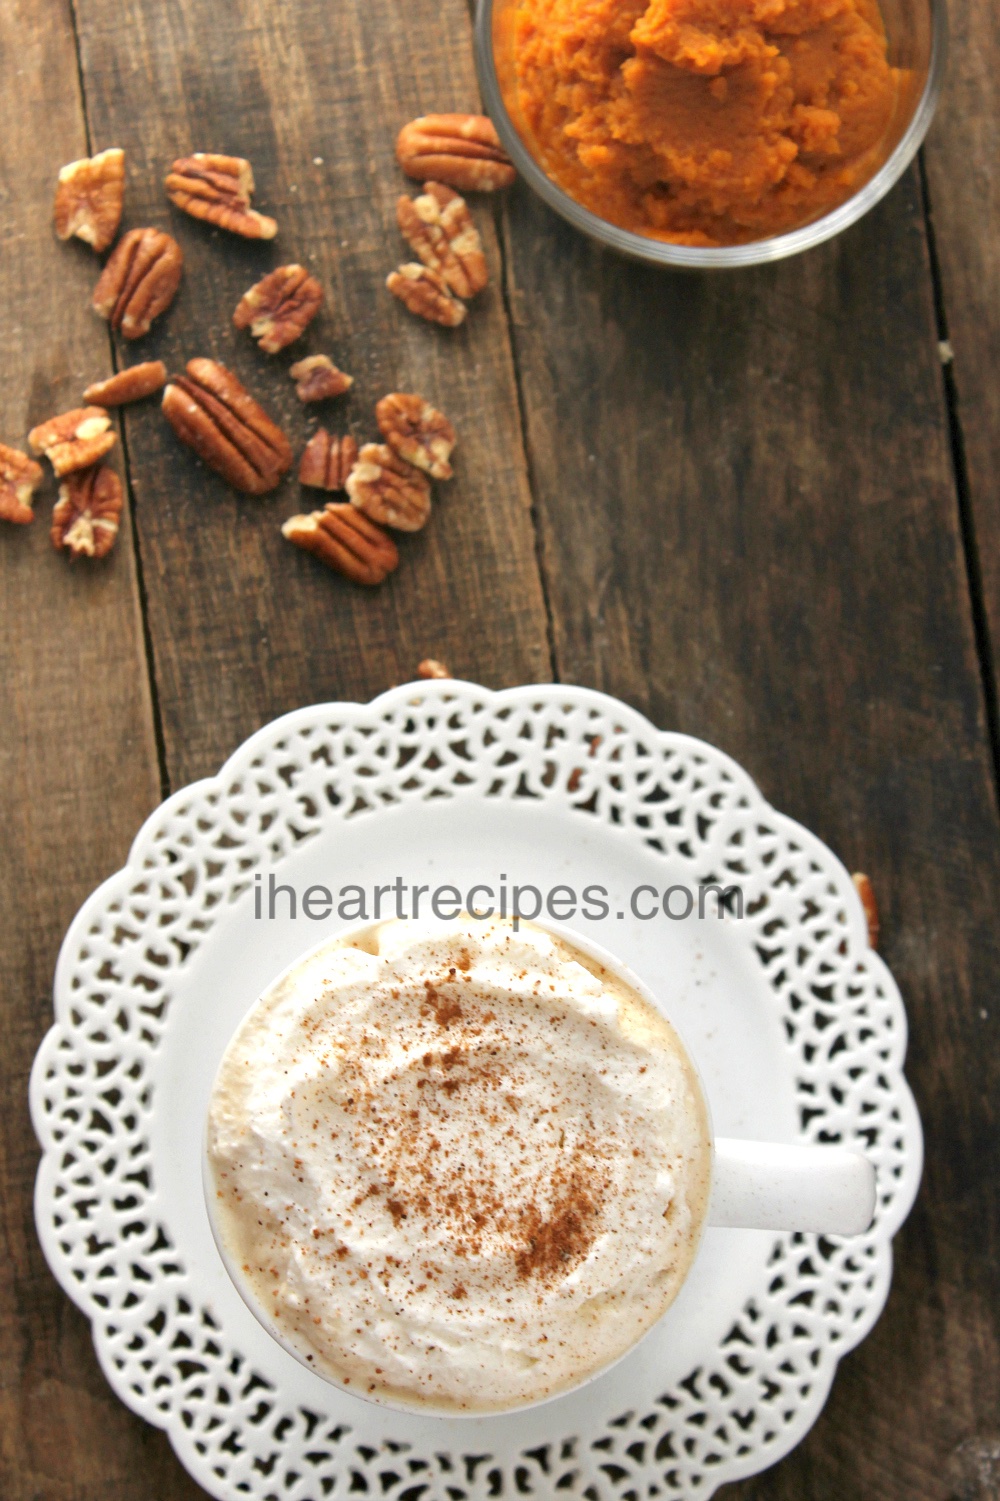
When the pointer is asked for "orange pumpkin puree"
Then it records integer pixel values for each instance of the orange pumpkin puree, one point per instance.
(704, 122)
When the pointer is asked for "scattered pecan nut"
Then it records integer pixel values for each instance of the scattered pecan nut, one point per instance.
(87, 514)
(139, 282)
(318, 379)
(215, 415)
(89, 198)
(867, 895)
(461, 150)
(217, 189)
(429, 668)
(418, 432)
(344, 539)
(20, 477)
(439, 229)
(279, 307)
(327, 461)
(75, 440)
(388, 489)
(128, 385)
(425, 293)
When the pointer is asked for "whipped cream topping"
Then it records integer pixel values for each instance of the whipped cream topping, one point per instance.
(456, 1165)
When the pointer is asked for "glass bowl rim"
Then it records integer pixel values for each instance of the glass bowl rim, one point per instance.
(727, 257)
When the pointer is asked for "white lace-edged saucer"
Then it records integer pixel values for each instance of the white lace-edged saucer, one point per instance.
(797, 1026)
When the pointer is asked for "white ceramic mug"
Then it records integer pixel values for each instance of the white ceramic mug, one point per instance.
(754, 1185)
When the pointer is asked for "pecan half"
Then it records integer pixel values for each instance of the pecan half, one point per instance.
(89, 198)
(867, 895)
(424, 292)
(139, 282)
(461, 150)
(217, 189)
(327, 461)
(87, 514)
(128, 385)
(75, 440)
(279, 307)
(318, 379)
(212, 413)
(429, 668)
(20, 477)
(418, 432)
(439, 229)
(388, 489)
(346, 540)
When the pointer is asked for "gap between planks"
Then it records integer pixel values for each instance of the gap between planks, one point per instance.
(140, 578)
(500, 219)
(985, 655)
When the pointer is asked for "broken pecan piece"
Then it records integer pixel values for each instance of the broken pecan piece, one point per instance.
(439, 229)
(418, 432)
(327, 461)
(388, 489)
(214, 414)
(344, 539)
(139, 282)
(425, 293)
(867, 895)
(128, 385)
(318, 379)
(217, 189)
(461, 150)
(20, 477)
(75, 440)
(279, 307)
(87, 514)
(429, 668)
(89, 198)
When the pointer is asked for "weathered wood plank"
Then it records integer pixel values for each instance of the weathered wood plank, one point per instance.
(749, 530)
(961, 157)
(762, 549)
(78, 773)
(244, 627)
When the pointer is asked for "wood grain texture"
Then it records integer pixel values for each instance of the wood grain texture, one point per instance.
(243, 626)
(961, 156)
(77, 772)
(749, 531)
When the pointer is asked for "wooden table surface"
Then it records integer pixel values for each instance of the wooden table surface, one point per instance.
(757, 506)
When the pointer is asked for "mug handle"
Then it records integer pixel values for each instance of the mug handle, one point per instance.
(764, 1185)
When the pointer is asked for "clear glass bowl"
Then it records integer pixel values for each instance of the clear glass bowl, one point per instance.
(917, 32)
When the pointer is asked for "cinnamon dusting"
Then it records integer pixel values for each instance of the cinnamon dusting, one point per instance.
(556, 1242)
